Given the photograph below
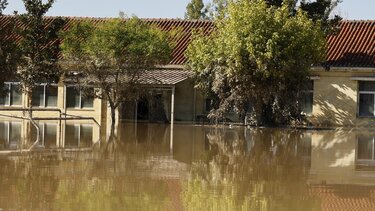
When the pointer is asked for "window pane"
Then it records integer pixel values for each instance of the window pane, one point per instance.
(50, 135)
(367, 86)
(3, 135)
(51, 96)
(72, 97)
(87, 102)
(71, 136)
(365, 147)
(4, 97)
(38, 96)
(33, 134)
(366, 105)
(16, 96)
(14, 134)
(310, 85)
(307, 102)
(86, 136)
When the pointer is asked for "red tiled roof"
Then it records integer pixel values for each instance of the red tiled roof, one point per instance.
(181, 39)
(353, 46)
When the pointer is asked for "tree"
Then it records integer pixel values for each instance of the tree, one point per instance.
(216, 8)
(8, 50)
(39, 49)
(113, 56)
(259, 54)
(320, 10)
(195, 10)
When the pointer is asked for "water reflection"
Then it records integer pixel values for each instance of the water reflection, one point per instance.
(207, 168)
(20, 135)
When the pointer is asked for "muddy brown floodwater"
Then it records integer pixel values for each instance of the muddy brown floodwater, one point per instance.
(151, 167)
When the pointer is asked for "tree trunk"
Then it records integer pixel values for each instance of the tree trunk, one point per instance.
(113, 117)
(30, 111)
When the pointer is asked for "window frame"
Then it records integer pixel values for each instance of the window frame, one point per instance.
(80, 99)
(78, 128)
(42, 127)
(309, 91)
(45, 85)
(9, 125)
(9, 95)
(359, 101)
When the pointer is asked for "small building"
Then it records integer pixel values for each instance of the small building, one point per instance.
(343, 88)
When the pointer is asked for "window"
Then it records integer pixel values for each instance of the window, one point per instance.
(75, 99)
(78, 135)
(208, 105)
(48, 134)
(10, 135)
(45, 96)
(365, 148)
(366, 98)
(307, 99)
(365, 153)
(13, 97)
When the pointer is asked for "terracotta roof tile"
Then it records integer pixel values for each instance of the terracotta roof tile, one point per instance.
(180, 39)
(353, 46)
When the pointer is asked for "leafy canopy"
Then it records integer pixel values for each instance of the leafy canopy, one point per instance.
(195, 10)
(8, 49)
(114, 55)
(259, 53)
(39, 47)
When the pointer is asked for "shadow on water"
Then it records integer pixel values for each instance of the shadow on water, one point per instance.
(156, 167)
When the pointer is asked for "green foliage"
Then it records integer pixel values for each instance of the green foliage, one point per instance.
(39, 47)
(3, 5)
(195, 10)
(259, 53)
(320, 10)
(8, 49)
(114, 55)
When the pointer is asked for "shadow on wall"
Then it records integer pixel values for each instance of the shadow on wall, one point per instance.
(335, 105)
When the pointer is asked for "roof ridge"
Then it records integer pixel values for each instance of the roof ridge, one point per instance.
(360, 20)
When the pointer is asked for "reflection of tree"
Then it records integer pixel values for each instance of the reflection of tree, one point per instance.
(271, 174)
(84, 180)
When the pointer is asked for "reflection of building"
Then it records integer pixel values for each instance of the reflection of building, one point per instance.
(53, 134)
(342, 157)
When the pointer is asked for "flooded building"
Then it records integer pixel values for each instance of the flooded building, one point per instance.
(341, 93)
(343, 88)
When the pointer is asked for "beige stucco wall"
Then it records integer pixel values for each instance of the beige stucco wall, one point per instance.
(335, 98)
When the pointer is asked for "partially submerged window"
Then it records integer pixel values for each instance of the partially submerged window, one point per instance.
(48, 134)
(10, 135)
(76, 99)
(307, 99)
(13, 95)
(45, 96)
(366, 98)
(78, 135)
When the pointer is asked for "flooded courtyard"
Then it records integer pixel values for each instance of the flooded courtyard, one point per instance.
(186, 167)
